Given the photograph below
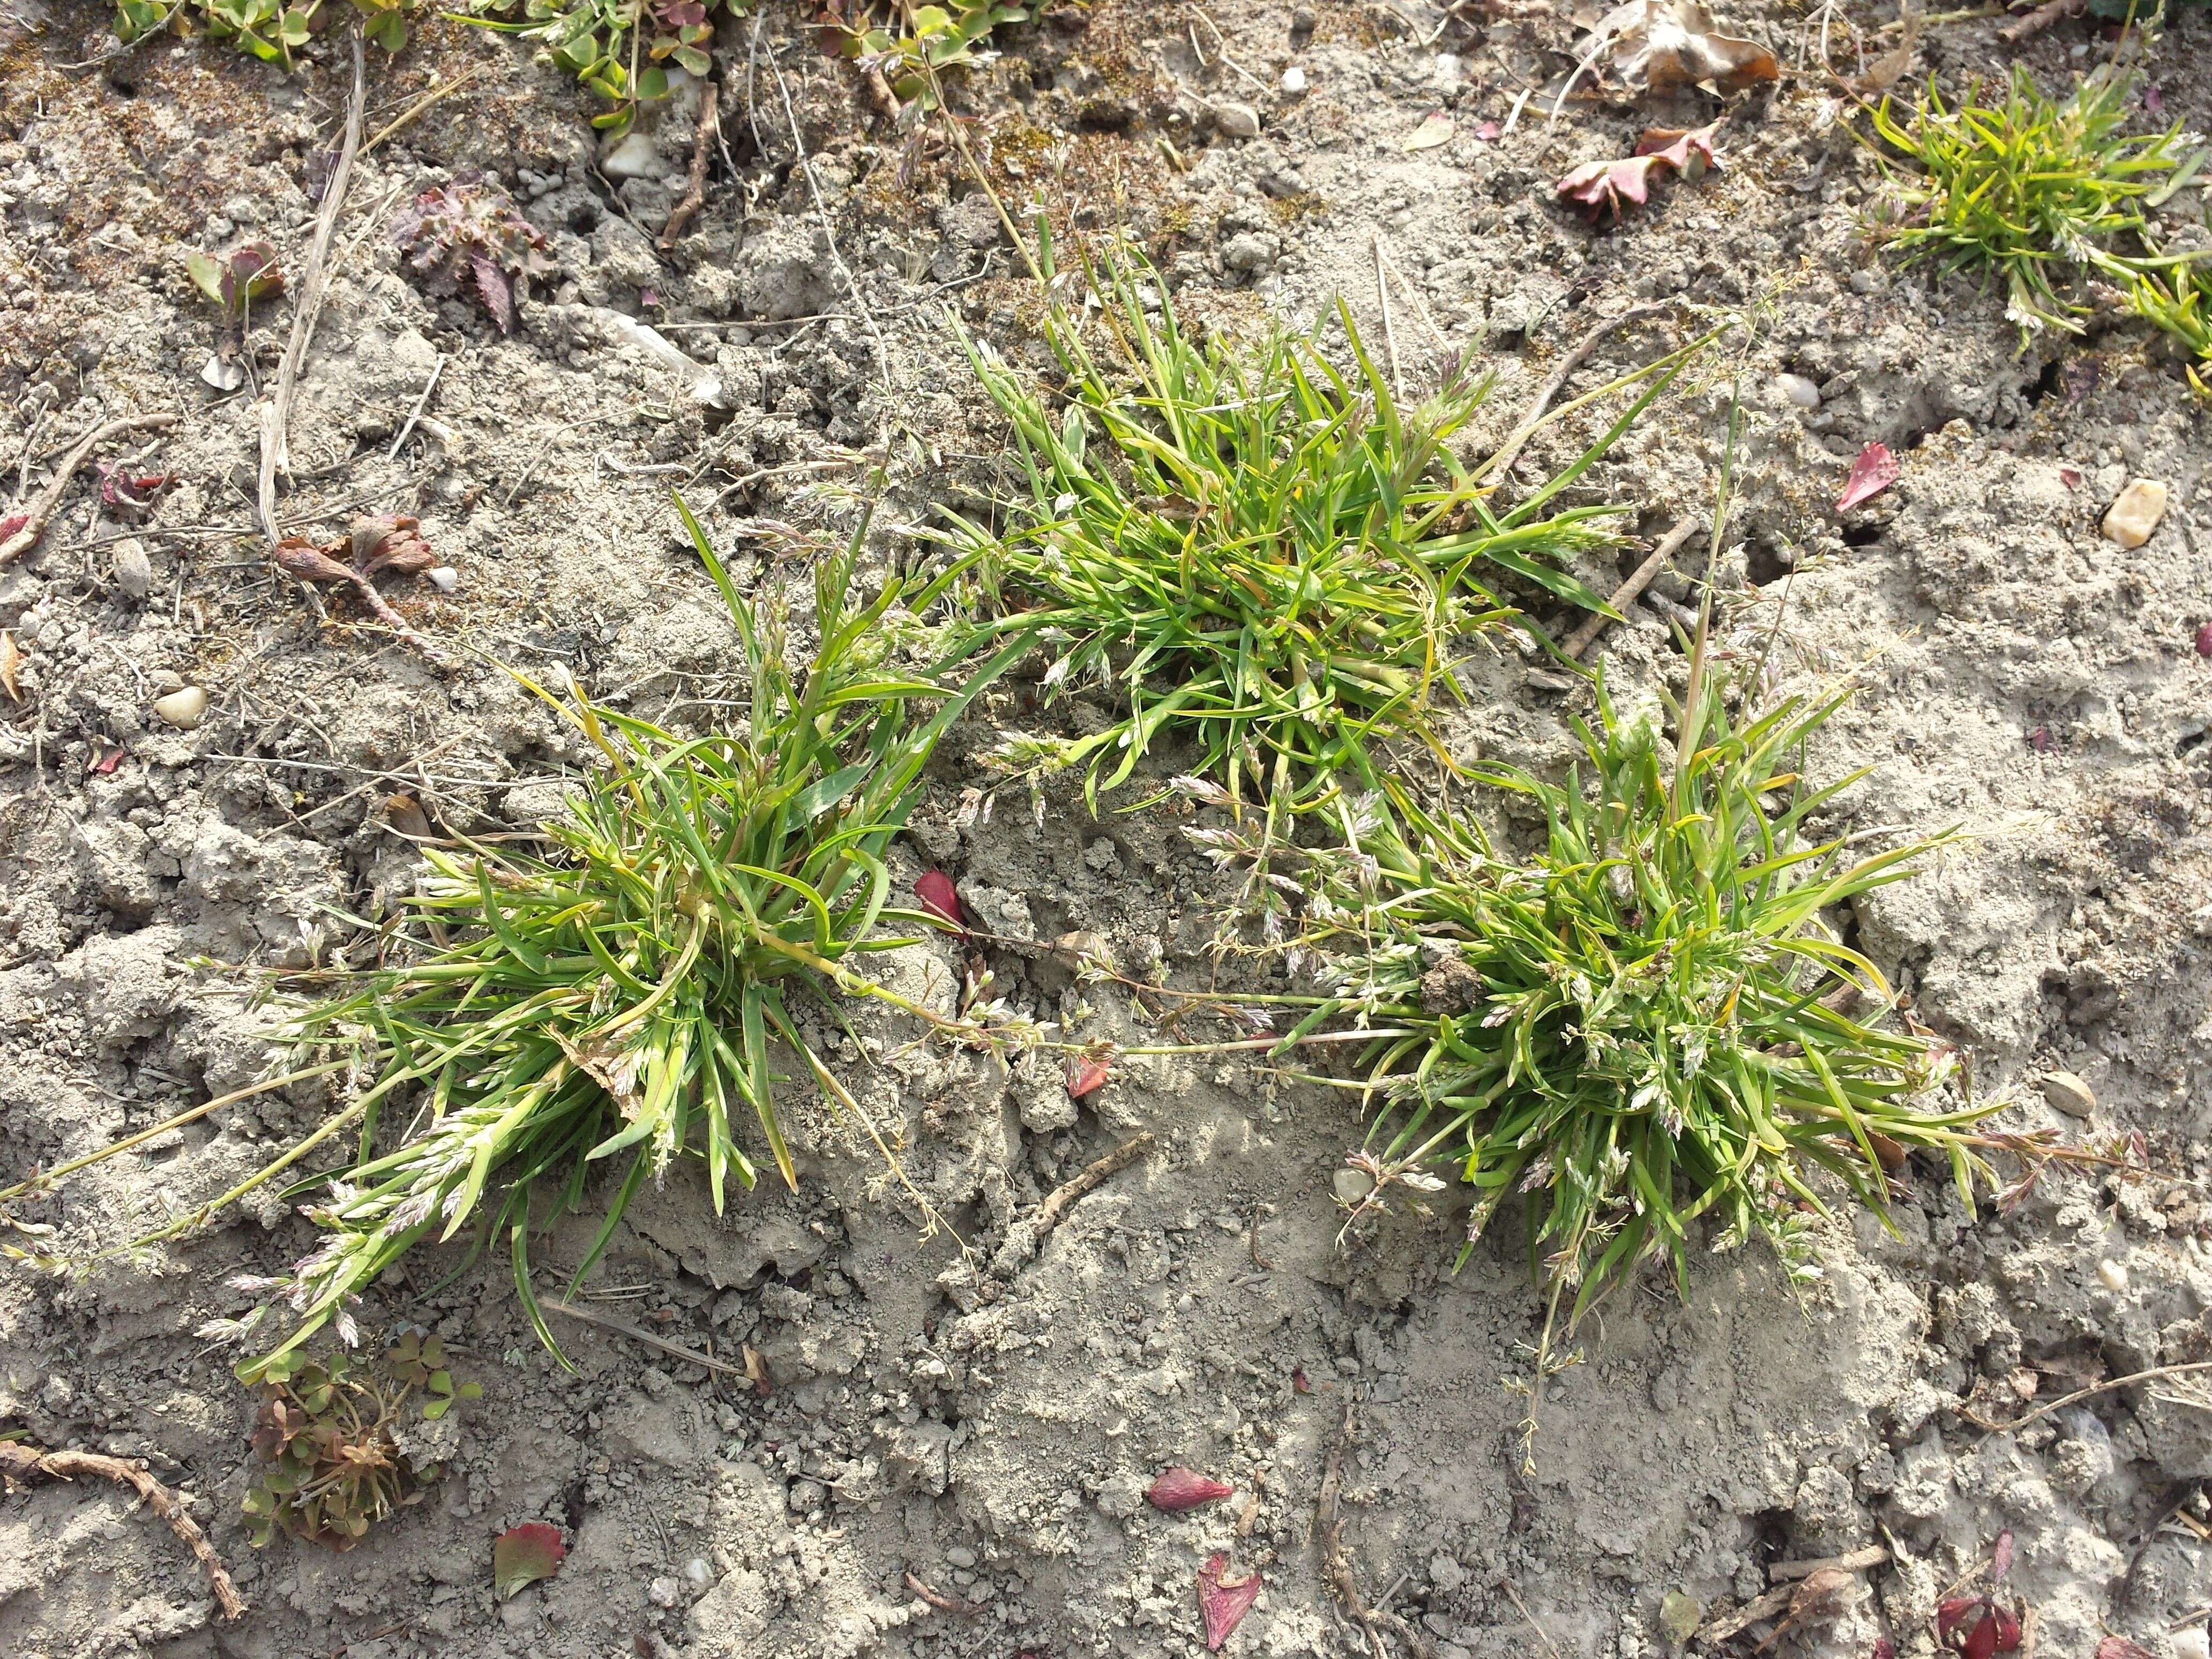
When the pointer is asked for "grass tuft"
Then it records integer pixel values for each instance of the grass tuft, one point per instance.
(629, 997)
(1256, 548)
(2033, 191)
(1648, 1024)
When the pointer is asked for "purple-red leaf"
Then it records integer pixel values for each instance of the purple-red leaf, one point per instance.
(1600, 185)
(1883, 1649)
(2118, 1647)
(1221, 1603)
(1953, 1614)
(2000, 1558)
(939, 896)
(524, 1555)
(494, 290)
(1178, 1489)
(1085, 1076)
(1875, 470)
(2203, 630)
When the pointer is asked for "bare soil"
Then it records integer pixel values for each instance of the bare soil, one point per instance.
(944, 1411)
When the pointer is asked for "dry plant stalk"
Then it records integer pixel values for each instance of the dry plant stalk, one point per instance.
(20, 1462)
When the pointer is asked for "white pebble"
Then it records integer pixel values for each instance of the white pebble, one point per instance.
(2114, 1274)
(1797, 389)
(2192, 1643)
(1294, 79)
(2136, 512)
(183, 709)
(443, 577)
(134, 571)
(1353, 1185)
(632, 156)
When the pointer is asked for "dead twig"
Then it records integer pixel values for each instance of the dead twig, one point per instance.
(2066, 1399)
(423, 105)
(48, 500)
(1858, 1560)
(1026, 1234)
(1502, 463)
(21, 1463)
(938, 1598)
(2042, 18)
(638, 1334)
(274, 456)
(695, 192)
(1625, 595)
(414, 414)
(1336, 1562)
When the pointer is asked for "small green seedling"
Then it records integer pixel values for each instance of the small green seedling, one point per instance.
(621, 49)
(234, 282)
(915, 44)
(268, 29)
(330, 1435)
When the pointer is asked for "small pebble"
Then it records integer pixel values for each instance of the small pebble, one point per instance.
(1294, 79)
(2114, 1274)
(1796, 389)
(2131, 518)
(632, 156)
(2069, 1094)
(2192, 1643)
(1236, 120)
(443, 577)
(134, 571)
(1353, 1185)
(183, 709)
(664, 1592)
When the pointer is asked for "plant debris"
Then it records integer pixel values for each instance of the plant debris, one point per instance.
(20, 1462)
(940, 897)
(1874, 471)
(467, 237)
(1085, 1076)
(1177, 1489)
(1658, 45)
(381, 546)
(1223, 1602)
(522, 1555)
(1611, 185)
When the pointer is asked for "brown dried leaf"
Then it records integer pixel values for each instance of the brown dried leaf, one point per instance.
(303, 559)
(1659, 43)
(11, 664)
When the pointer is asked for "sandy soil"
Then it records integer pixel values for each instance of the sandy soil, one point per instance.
(983, 1422)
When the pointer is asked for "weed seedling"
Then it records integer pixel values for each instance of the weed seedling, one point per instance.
(621, 49)
(331, 1433)
(2033, 191)
(466, 237)
(1257, 549)
(910, 46)
(269, 29)
(1650, 1024)
(233, 283)
(629, 997)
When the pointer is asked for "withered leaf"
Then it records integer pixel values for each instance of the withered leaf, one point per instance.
(11, 664)
(1659, 43)
(524, 1555)
(1223, 1604)
(1609, 185)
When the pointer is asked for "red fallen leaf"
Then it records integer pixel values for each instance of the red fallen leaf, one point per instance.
(524, 1555)
(1952, 1615)
(2070, 477)
(1488, 132)
(106, 764)
(2118, 1647)
(1178, 1489)
(1600, 185)
(938, 896)
(1875, 470)
(12, 523)
(1883, 1649)
(2000, 1558)
(2039, 739)
(128, 492)
(2006, 1622)
(1299, 1383)
(1085, 1078)
(2204, 640)
(1223, 1606)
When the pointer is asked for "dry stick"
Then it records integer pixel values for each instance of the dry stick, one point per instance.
(1858, 1560)
(829, 229)
(1063, 1197)
(608, 1322)
(49, 498)
(275, 454)
(2041, 19)
(1501, 464)
(415, 413)
(422, 105)
(695, 193)
(1625, 595)
(1336, 1562)
(938, 1598)
(2066, 1399)
(21, 1463)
